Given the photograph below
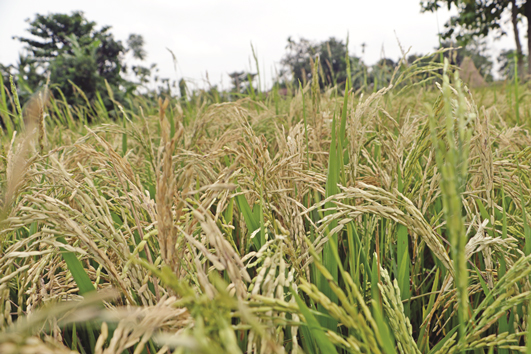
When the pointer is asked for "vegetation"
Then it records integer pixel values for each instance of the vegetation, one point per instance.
(507, 60)
(477, 51)
(81, 61)
(327, 221)
(478, 18)
(350, 209)
(330, 56)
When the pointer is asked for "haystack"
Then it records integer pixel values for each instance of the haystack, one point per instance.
(470, 74)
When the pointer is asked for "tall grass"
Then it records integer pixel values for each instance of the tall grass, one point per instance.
(393, 221)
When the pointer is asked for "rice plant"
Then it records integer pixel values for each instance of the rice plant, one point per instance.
(393, 221)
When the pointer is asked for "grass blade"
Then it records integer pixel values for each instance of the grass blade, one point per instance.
(251, 221)
(76, 269)
(329, 261)
(317, 332)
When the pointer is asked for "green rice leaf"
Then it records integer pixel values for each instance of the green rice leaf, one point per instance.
(76, 269)
(317, 332)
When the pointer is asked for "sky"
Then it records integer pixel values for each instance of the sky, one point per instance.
(211, 38)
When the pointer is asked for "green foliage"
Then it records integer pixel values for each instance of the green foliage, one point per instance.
(382, 73)
(452, 159)
(476, 50)
(478, 18)
(135, 42)
(82, 62)
(507, 64)
(79, 69)
(242, 83)
(332, 69)
(474, 18)
(72, 49)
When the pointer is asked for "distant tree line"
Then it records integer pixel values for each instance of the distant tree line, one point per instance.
(332, 53)
(83, 63)
(476, 19)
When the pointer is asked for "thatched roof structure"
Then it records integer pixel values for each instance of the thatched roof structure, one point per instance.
(470, 74)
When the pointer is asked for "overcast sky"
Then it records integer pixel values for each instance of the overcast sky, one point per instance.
(215, 36)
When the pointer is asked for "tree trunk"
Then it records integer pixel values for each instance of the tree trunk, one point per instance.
(527, 13)
(519, 54)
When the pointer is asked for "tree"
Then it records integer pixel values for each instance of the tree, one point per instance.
(78, 68)
(73, 51)
(28, 72)
(54, 37)
(183, 90)
(382, 72)
(476, 50)
(332, 55)
(478, 18)
(241, 82)
(506, 62)
(135, 42)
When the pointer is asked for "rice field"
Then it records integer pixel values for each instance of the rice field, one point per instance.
(393, 220)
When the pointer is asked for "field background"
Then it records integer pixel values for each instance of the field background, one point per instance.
(311, 219)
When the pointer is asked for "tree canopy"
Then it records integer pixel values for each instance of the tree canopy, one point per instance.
(75, 53)
(478, 18)
(77, 56)
(302, 54)
(73, 50)
(332, 55)
(476, 50)
(506, 63)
